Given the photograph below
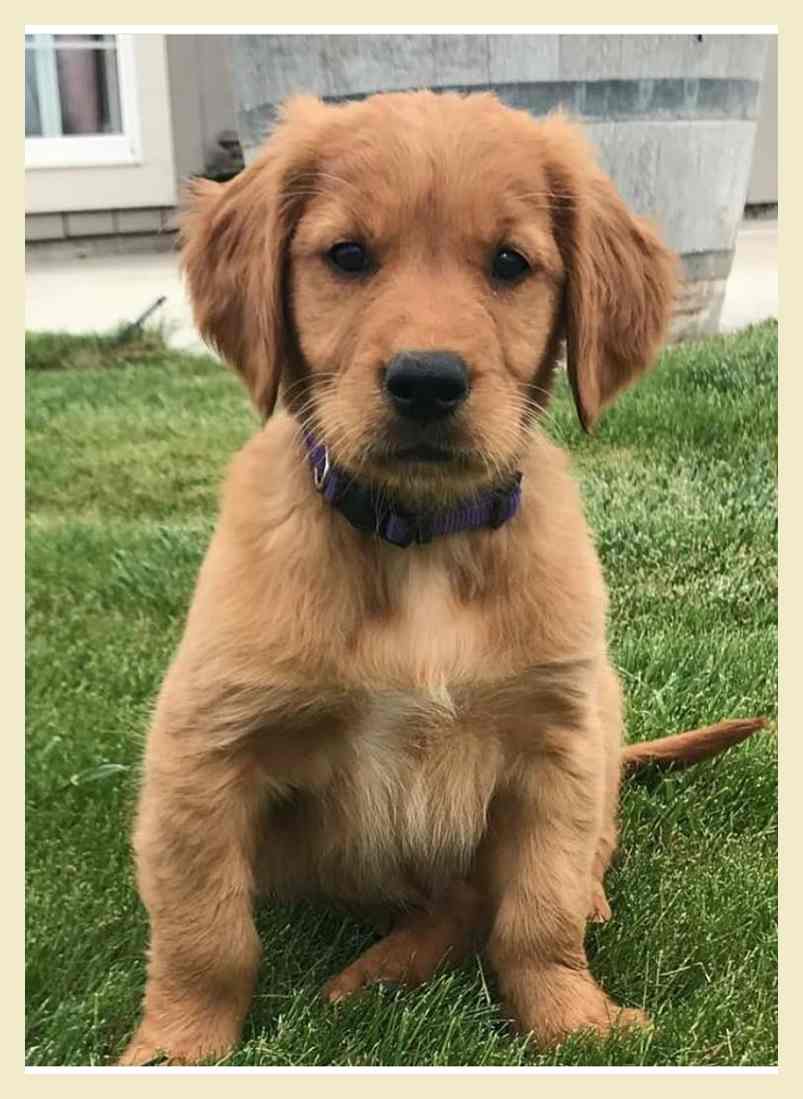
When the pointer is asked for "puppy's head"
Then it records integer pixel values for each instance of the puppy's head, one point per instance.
(408, 266)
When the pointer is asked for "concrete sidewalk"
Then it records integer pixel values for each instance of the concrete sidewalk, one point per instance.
(100, 292)
(96, 294)
(751, 294)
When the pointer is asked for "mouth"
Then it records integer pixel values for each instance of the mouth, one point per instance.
(423, 452)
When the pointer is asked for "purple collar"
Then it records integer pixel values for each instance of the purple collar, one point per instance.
(371, 512)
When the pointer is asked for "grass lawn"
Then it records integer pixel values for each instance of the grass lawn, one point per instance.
(126, 447)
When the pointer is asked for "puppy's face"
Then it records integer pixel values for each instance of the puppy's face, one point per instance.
(409, 265)
(425, 286)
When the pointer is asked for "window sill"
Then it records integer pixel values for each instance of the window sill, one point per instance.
(80, 152)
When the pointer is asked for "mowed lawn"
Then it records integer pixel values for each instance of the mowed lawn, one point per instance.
(126, 449)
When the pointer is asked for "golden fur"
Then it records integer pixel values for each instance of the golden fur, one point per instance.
(433, 731)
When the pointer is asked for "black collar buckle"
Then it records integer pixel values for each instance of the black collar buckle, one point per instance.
(501, 505)
(423, 530)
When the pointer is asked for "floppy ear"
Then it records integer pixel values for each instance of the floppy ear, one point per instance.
(234, 240)
(620, 277)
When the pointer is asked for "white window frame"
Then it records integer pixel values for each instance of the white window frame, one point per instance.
(91, 150)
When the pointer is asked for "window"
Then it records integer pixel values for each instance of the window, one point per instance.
(80, 100)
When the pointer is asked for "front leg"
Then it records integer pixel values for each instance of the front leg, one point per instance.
(537, 862)
(195, 840)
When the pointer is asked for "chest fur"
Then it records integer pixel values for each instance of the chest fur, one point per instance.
(403, 784)
(426, 642)
(405, 800)
(398, 763)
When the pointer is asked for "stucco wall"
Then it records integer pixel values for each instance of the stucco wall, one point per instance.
(763, 187)
(201, 98)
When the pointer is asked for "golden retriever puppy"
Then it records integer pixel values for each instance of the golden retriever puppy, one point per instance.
(393, 688)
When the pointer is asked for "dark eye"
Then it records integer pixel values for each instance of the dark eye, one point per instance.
(350, 257)
(508, 266)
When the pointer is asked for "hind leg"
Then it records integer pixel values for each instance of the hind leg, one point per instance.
(420, 942)
(600, 910)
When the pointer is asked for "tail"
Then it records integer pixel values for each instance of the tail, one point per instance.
(683, 749)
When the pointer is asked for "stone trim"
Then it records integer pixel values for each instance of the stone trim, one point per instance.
(667, 99)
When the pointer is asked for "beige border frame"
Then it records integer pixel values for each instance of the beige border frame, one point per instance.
(317, 15)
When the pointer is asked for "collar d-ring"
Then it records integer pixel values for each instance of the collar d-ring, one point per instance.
(319, 474)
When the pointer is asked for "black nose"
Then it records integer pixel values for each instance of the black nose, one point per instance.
(426, 385)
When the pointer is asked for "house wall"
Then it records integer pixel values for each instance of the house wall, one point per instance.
(151, 182)
(763, 188)
(185, 98)
(201, 98)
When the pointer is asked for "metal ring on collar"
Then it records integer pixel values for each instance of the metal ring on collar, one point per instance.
(319, 475)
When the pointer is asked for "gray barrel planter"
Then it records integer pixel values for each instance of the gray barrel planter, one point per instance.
(673, 116)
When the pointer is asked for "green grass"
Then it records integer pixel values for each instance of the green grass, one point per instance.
(679, 482)
(125, 346)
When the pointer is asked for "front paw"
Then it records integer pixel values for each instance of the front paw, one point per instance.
(187, 1046)
(143, 1050)
(553, 1002)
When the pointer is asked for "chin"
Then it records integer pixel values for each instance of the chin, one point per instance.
(431, 475)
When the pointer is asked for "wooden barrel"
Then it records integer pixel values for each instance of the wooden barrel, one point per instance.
(673, 116)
